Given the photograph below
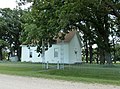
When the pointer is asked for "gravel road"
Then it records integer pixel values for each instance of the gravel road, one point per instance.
(17, 82)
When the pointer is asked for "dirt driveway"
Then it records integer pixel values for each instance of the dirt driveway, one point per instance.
(16, 82)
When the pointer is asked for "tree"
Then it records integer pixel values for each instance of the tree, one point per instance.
(43, 22)
(117, 48)
(75, 13)
(3, 27)
(50, 17)
(12, 28)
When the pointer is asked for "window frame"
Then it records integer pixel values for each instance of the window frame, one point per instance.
(56, 52)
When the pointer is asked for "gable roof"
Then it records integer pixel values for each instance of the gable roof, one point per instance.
(68, 37)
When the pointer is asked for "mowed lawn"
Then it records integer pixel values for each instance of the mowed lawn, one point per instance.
(90, 73)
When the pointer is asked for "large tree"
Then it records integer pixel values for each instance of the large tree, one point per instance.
(12, 28)
(42, 20)
(94, 18)
(99, 17)
(3, 35)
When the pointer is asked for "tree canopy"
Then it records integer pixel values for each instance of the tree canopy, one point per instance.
(96, 20)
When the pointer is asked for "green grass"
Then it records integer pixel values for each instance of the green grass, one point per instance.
(85, 72)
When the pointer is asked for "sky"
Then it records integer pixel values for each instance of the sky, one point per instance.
(8, 4)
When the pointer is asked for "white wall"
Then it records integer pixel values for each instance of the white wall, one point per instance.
(25, 57)
(74, 45)
(66, 53)
(69, 55)
(49, 55)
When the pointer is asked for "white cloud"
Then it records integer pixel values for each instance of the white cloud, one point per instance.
(8, 4)
(27, 5)
(12, 4)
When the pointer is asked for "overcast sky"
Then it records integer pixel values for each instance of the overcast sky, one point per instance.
(8, 4)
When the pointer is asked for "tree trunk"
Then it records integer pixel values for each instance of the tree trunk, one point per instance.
(91, 50)
(19, 53)
(9, 56)
(106, 41)
(102, 57)
(108, 57)
(114, 52)
(86, 51)
(0, 53)
(97, 59)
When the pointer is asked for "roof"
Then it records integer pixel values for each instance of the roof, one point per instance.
(68, 37)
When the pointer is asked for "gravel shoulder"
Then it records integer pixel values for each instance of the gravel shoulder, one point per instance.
(18, 82)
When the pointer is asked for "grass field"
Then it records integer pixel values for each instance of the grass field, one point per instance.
(84, 72)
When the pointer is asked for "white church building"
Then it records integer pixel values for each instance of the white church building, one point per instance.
(67, 51)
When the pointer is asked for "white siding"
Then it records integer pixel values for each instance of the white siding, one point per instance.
(68, 51)
(25, 57)
(74, 45)
(49, 55)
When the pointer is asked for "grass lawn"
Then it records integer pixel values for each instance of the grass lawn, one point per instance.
(84, 72)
